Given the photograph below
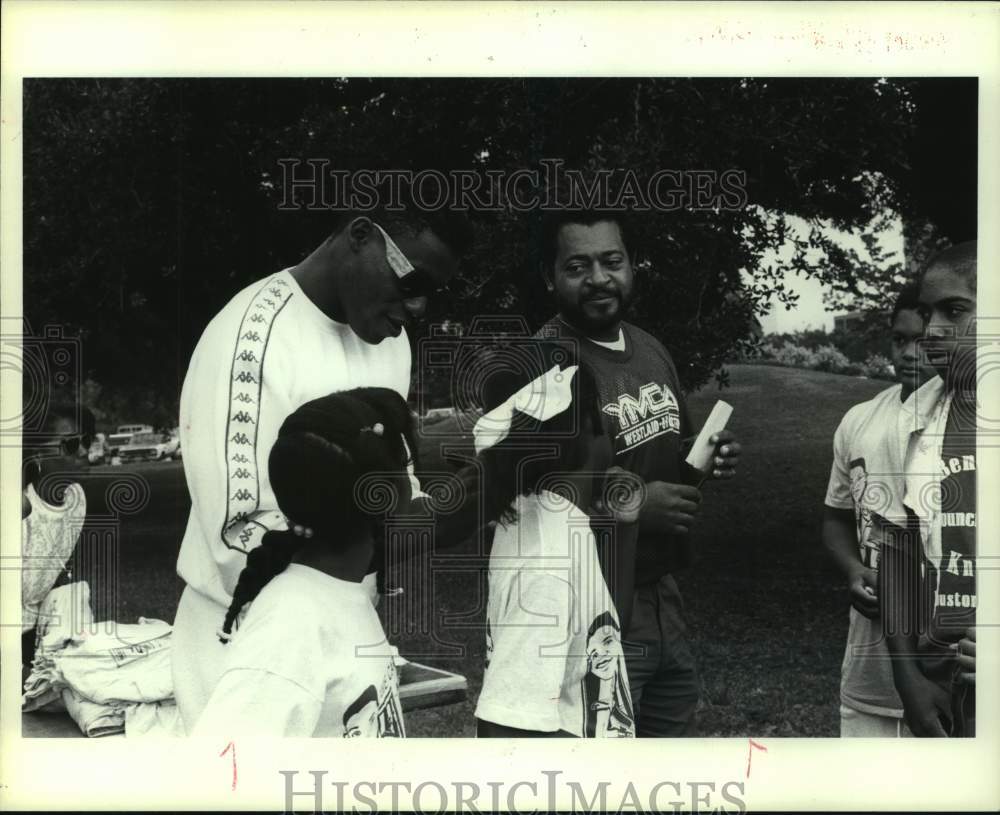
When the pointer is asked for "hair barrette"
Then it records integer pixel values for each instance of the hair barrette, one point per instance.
(378, 429)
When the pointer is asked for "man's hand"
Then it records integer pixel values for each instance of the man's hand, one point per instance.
(727, 454)
(967, 657)
(624, 495)
(669, 508)
(926, 705)
(863, 590)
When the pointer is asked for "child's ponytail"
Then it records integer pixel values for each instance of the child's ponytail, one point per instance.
(271, 558)
(323, 451)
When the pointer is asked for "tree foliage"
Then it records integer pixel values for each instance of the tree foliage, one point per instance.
(149, 202)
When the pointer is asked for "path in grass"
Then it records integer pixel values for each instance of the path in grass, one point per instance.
(767, 611)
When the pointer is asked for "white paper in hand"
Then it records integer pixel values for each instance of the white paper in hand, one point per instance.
(703, 450)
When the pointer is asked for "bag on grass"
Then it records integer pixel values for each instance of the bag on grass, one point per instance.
(48, 536)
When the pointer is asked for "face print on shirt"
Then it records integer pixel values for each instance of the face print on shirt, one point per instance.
(361, 716)
(607, 702)
(603, 651)
(374, 715)
(859, 486)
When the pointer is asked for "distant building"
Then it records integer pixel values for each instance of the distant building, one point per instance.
(841, 322)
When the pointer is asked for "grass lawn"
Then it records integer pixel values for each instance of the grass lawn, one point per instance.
(768, 613)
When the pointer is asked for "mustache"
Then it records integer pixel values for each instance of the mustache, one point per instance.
(596, 294)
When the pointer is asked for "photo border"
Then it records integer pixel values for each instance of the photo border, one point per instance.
(497, 39)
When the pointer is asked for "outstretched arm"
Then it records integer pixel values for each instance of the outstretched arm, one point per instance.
(447, 522)
(625, 494)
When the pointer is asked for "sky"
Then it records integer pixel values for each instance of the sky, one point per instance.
(810, 311)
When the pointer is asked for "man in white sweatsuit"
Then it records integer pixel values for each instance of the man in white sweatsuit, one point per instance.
(333, 322)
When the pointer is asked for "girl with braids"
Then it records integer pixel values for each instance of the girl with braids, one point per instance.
(304, 642)
(547, 469)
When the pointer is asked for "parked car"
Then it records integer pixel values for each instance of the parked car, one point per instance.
(134, 428)
(123, 436)
(437, 414)
(172, 444)
(148, 447)
(176, 434)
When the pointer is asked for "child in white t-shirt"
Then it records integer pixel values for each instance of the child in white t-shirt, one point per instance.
(308, 656)
(555, 612)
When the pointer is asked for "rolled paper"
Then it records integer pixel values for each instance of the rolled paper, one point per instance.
(702, 451)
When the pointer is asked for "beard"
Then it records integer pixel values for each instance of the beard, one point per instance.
(591, 314)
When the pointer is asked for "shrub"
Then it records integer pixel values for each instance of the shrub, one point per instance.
(878, 367)
(822, 358)
(790, 355)
(830, 359)
(858, 342)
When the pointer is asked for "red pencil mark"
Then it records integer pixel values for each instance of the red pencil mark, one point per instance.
(232, 746)
(750, 754)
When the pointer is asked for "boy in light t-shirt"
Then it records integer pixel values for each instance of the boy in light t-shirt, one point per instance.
(865, 491)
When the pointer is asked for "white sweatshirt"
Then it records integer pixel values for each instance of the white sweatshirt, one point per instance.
(269, 351)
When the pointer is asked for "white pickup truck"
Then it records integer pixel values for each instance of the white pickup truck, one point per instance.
(123, 435)
(149, 447)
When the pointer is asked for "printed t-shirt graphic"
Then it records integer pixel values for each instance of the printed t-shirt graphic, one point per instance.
(375, 714)
(941, 496)
(554, 648)
(866, 477)
(310, 659)
(607, 701)
(951, 570)
(645, 415)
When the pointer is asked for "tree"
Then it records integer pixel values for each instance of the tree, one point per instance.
(148, 203)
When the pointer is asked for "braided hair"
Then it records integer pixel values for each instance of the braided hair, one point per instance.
(321, 452)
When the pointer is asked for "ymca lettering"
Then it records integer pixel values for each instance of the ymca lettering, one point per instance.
(652, 413)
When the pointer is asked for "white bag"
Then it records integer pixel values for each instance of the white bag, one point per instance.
(48, 537)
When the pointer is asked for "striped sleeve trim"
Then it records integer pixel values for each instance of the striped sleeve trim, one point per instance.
(244, 525)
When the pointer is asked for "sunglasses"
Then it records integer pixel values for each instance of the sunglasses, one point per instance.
(412, 282)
